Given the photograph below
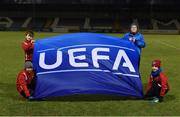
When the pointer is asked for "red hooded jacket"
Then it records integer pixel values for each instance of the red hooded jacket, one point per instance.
(28, 47)
(24, 79)
(162, 81)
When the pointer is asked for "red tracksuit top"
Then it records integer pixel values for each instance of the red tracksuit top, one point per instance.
(28, 47)
(162, 80)
(23, 80)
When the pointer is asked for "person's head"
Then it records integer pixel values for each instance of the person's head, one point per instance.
(134, 28)
(29, 35)
(156, 64)
(28, 66)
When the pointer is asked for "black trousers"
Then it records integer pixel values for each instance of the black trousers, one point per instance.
(31, 88)
(154, 91)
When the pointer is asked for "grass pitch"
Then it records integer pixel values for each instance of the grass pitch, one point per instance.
(164, 47)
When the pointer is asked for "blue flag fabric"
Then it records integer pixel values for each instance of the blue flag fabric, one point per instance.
(86, 63)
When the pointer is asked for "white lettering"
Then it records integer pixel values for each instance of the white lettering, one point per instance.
(121, 54)
(56, 64)
(72, 58)
(96, 57)
(82, 57)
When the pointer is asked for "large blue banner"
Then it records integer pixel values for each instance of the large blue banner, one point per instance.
(86, 63)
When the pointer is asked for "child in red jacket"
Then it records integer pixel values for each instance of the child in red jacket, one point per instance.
(28, 45)
(158, 84)
(25, 82)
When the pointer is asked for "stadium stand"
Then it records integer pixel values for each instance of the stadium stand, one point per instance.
(145, 24)
(17, 23)
(96, 24)
(86, 15)
(166, 24)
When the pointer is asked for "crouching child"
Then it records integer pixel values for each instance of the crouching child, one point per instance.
(25, 83)
(158, 84)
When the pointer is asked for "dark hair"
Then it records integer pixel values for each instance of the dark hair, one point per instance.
(30, 33)
(134, 24)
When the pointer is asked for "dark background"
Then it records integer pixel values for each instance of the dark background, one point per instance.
(123, 11)
(113, 8)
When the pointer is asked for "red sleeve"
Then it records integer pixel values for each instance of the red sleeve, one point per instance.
(149, 84)
(26, 46)
(164, 83)
(23, 83)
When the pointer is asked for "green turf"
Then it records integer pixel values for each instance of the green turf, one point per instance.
(164, 47)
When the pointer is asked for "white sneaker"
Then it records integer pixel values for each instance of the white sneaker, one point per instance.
(155, 100)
